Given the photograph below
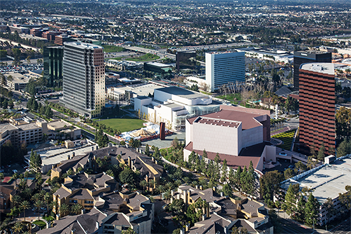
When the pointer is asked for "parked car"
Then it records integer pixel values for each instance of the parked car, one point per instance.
(283, 154)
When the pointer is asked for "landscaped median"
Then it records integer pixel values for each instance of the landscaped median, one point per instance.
(286, 137)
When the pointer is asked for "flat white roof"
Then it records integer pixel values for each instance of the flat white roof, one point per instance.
(327, 181)
(326, 68)
(83, 45)
(56, 156)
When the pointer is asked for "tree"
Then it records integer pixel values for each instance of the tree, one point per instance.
(291, 197)
(300, 167)
(24, 206)
(18, 227)
(64, 210)
(147, 150)
(127, 176)
(227, 190)
(321, 152)
(329, 207)
(76, 208)
(345, 199)
(48, 112)
(237, 177)
(270, 185)
(38, 205)
(313, 150)
(128, 231)
(311, 162)
(288, 173)
(344, 148)
(224, 170)
(311, 210)
(35, 161)
(300, 209)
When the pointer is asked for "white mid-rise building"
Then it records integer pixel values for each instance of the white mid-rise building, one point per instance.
(84, 78)
(224, 68)
(173, 105)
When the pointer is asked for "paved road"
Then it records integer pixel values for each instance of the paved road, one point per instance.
(343, 228)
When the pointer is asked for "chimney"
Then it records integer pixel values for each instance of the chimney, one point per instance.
(57, 217)
(68, 157)
(153, 159)
(131, 164)
(73, 154)
(200, 187)
(82, 211)
(203, 217)
(197, 186)
(208, 211)
(121, 153)
(172, 192)
(189, 194)
(92, 148)
(147, 178)
(214, 188)
(129, 161)
(97, 147)
(222, 194)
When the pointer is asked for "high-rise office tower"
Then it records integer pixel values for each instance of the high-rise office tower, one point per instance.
(301, 57)
(317, 105)
(53, 58)
(84, 78)
(224, 68)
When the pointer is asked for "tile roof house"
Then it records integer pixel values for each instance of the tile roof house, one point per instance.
(83, 189)
(224, 213)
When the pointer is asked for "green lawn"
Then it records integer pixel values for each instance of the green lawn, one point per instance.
(111, 48)
(230, 97)
(40, 223)
(142, 58)
(287, 138)
(124, 125)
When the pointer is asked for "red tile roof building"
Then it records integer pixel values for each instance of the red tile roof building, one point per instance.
(237, 134)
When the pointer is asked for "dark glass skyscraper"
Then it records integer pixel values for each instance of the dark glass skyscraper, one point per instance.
(53, 59)
(301, 57)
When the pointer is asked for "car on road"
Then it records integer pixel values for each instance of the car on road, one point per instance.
(283, 154)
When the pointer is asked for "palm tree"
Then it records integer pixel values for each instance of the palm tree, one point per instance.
(16, 200)
(38, 204)
(47, 199)
(143, 184)
(64, 210)
(24, 206)
(15, 177)
(35, 197)
(18, 227)
(76, 208)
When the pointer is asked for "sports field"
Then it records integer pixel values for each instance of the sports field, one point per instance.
(123, 125)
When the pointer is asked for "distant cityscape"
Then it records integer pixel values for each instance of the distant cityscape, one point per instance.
(182, 117)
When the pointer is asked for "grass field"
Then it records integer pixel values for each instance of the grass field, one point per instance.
(124, 125)
(112, 49)
(287, 138)
(230, 97)
(142, 58)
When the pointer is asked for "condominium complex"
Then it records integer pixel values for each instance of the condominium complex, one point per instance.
(317, 105)
(224, 68)
(84, 78)
(301, 57)
(53, 57)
